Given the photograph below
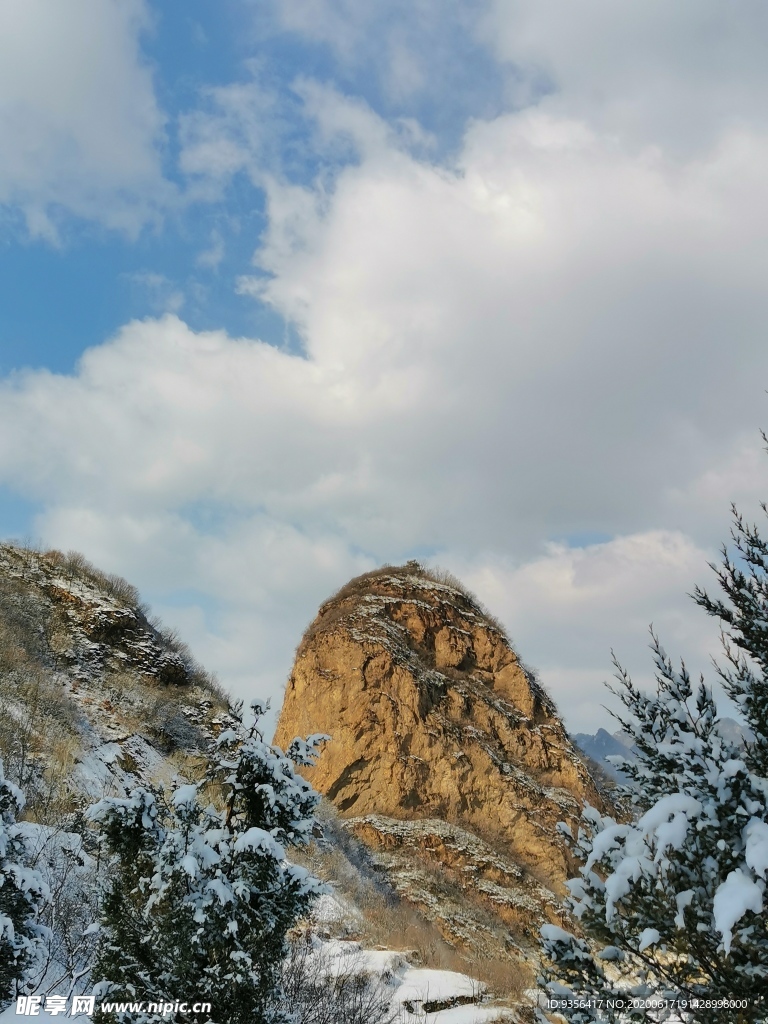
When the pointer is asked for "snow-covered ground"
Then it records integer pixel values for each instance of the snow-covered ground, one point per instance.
(411, 987)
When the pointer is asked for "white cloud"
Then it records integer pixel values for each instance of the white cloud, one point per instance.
(677, 75)
(160, 291)
(212, 256)
(231, 130)
(412, 51)
(559, 311)
(79, 123)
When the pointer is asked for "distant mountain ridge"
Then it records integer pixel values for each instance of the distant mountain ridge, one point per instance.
(602, 744)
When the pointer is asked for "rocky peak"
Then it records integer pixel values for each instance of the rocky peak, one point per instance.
(434, 718)
(88, 621)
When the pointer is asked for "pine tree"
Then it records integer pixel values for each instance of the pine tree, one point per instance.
(22, 894)
(202, 898)
(670, 905)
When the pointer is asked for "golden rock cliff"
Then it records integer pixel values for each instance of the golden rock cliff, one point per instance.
(447, 758)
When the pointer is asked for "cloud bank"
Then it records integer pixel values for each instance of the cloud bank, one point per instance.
(538, 360)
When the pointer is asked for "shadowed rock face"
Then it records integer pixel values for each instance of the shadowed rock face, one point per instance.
(432, 716)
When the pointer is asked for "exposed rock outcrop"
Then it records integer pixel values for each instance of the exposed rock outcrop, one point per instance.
(447, 758)
(94, 695)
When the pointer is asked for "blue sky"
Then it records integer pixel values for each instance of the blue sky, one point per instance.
(291, 288)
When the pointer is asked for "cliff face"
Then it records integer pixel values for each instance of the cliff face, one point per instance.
(93, 695)
(436, 725)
